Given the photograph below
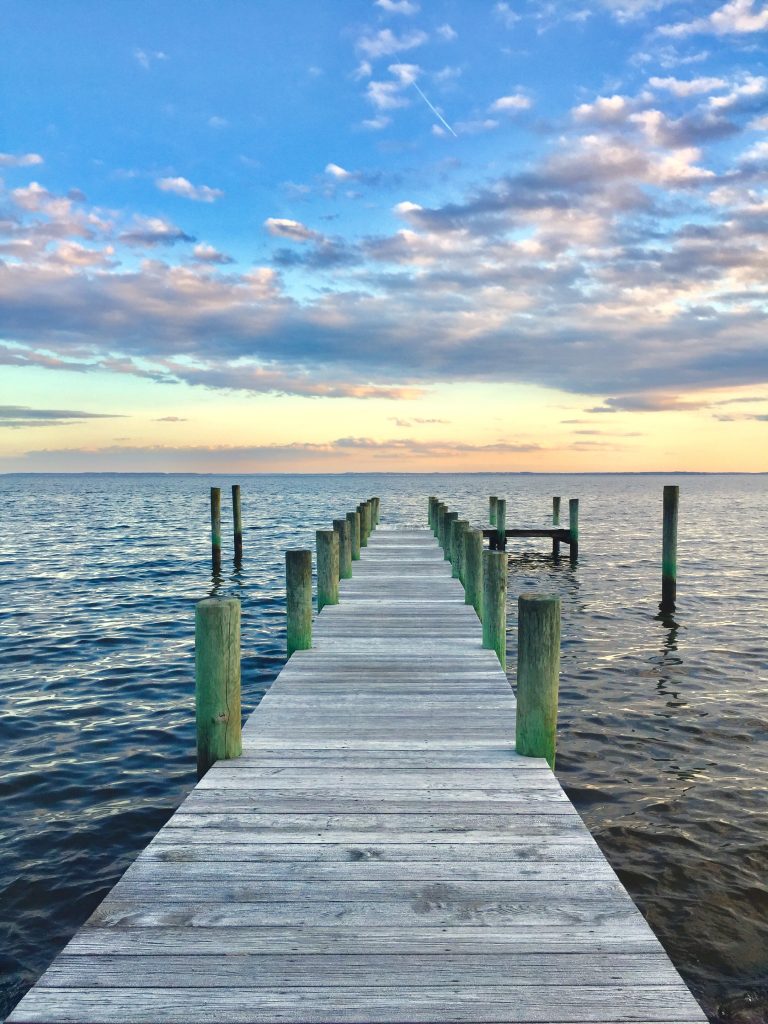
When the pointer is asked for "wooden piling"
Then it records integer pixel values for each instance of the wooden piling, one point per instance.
(492, 509)
(555, 522)
(495, 603)
(341, 526)
(376, 509)
(473, 572)
(669, 548)
(217, 681)
(237, 523)
(442, 512)
(298, 599)
(458, 526)
(353, 518)
(573, 526)
(538, 673)
(365, 523)
(216, 529)
(501, 524)
(431, 512)
(327, 542)
(449, 519)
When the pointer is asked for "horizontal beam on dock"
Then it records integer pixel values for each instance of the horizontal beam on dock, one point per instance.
(553, 533)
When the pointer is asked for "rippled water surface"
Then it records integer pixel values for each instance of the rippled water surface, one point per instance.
(664, 720)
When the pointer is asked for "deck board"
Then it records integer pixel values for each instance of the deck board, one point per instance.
(378, 854)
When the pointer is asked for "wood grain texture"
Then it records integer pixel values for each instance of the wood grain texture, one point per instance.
(379, 852)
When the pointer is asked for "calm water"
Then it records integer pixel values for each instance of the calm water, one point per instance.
(663, 728)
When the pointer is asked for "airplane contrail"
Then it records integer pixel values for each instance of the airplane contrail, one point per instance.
(435, 112)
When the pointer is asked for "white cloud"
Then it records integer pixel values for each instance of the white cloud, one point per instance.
(505, 104)
(20, 159)
(385, 42)
(447, 32)
(184, 188)
(282, 227)
(751, 88)
(148, 57)
(738, 17)
(398, 6)
(687, 87)
(386, 95)
(375, 124)
(758, 152)
(217, 122)
(337, 172)
(505, 14)
(204, 253)
(406, 74)
(605, 110)
(476, 127)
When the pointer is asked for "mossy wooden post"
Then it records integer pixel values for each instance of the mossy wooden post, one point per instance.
(365, 523)
(341, 526)
(457, 531)
(375, 509)
(442, 511)
(573, 526)
(353, 518)
(495, 603)
(492, 509)
(669, 549)
(217, 680)
(298, 599)
(538, 673)
(449, 519)
(555, 522)
(237, 523)
(473, 582)
(327, 568)
(501, 524)
(431, 513)
(216, 529)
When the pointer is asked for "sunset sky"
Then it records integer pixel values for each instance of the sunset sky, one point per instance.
(328, 235)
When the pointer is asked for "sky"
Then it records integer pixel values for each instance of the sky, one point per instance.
(349, 235)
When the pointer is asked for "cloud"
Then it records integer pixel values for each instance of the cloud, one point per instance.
(509, 104)
(283, 227)
(16, 417)
(386, 42)
(204, 253)
(446, 33)
(170, 419)
(738, 17)
(184, 188)
(20, 159)
(217, 122)
(338, 172)
(375, 124)
(506, 15)
(688, 87)
(146, 58)
(604, 110)
(153, 231)
(398, 6)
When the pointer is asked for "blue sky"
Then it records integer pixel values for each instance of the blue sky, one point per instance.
(492, 222)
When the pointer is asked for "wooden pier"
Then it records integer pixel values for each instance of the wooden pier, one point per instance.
(379, 852)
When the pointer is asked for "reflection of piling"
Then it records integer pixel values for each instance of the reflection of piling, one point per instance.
(327, 568)
(298, 599)
(495, 603)
(538, 671)
(217, 680)
(669, 549)
(237, 522)
(216, 529)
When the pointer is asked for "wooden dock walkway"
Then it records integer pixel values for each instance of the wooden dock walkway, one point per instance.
(378, 854)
